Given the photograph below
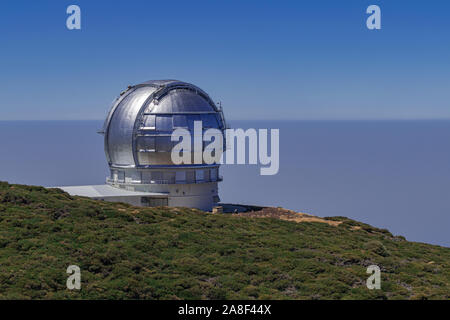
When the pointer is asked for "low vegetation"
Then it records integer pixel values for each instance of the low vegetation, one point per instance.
(127, 252)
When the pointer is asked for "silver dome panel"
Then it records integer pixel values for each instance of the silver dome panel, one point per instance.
(138, 127)
(120, 128)
(179, 101)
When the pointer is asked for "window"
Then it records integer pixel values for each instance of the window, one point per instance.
(207, 175)
(180, 176)
(164, 123)
(136, 177)
(191, 119)
(163, 144)
(214, 174)
(199, 175)
(157, 176)
(145, 144)
(169, 177)
(179, 121)
(146, 177)
(190, 176)
(149, 122)
(209, 121)
(121, 176)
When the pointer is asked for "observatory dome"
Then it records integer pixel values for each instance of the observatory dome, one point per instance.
(138, 147)
(139, 125)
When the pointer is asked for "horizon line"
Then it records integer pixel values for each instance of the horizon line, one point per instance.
(281, 119)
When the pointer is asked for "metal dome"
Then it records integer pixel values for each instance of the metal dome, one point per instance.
(138, 127)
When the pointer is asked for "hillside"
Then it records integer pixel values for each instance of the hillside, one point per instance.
(127, 252)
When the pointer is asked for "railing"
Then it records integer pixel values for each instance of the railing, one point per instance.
(160, 181)
(109, 180)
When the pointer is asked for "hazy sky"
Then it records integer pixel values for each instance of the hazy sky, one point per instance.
(263, 59)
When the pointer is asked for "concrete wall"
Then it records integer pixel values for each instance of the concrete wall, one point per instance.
(200, 195)
(195, 195)
(133, 200)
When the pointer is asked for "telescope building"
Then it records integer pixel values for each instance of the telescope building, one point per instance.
(137, 134)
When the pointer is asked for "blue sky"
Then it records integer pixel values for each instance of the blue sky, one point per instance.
(263, 59)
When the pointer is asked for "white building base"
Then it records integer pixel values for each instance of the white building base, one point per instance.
(201, 196)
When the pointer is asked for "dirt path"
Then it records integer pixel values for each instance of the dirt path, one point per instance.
(285, 214)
